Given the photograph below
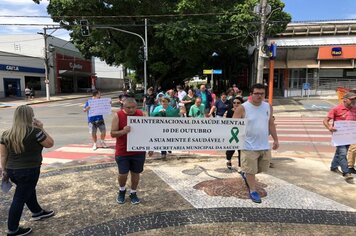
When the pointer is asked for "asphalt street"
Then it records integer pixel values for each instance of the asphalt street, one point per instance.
(64, 120)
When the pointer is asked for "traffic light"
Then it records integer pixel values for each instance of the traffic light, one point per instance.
(84, 27)
(141, 53)
(273, 50)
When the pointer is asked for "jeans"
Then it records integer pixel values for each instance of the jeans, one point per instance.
(25, 193)
(149, 108)
(340, 159)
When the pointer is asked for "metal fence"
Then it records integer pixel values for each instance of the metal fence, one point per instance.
(334, 83)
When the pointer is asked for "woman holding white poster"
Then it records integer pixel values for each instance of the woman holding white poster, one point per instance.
(236, 102)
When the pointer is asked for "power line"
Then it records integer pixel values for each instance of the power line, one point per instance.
(125, 16)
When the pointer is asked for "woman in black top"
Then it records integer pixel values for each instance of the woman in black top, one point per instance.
(236, 102)
(21, 158)
(149, 101)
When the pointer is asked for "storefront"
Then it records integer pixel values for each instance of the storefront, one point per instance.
(311, 60)
(22, 63)
(73, 74)
(22, 72)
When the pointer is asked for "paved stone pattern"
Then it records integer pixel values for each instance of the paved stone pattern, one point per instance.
(217, 215)
(257, 229)
(280, 194)
(230, 187)
(86, 196)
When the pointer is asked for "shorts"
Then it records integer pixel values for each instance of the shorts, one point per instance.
(132, 163)
(93, 128)
(253, 162)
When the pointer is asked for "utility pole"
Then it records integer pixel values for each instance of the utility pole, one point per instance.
(145, 59)
(46, 63)
(260, 42)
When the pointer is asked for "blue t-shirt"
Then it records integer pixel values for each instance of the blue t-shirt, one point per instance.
(92, 118)
(221, 107)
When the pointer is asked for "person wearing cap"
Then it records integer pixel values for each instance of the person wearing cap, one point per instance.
(344, 111)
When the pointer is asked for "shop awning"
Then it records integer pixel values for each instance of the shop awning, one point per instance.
(73, 73)
(302, 64)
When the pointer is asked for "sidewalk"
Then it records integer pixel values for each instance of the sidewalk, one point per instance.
(8, 102)
(194, 194)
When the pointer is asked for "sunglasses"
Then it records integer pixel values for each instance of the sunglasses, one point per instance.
(237, 102)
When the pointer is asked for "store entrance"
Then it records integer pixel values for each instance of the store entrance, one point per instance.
(67, 85)
(12, 87)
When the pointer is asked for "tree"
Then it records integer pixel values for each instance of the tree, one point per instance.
(182, 34)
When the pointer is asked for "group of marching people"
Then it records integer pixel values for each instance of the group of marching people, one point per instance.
(197, 103)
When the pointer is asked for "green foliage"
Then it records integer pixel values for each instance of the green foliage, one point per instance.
(180, 46)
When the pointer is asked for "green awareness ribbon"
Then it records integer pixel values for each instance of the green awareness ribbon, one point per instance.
(234, 132)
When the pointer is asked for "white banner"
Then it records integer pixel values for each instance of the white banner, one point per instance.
(345, 134)
(184, 134)
(101, 106)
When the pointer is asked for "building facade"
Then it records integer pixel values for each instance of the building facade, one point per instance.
(314, 58)
(23, 60)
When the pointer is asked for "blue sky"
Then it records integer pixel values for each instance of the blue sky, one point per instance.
(306, 10)
(301, 10)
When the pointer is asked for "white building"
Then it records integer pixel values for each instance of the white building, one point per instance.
(22, 63)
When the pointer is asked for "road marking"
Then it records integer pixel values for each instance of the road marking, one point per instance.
(55, 160)
(87, 150)
(306, 130)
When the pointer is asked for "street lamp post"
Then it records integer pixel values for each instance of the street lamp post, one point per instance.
(145, 48)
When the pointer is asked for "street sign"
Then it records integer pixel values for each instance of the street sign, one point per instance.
(306, 86)
(209, 72)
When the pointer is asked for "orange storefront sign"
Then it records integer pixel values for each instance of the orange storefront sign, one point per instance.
(333, 53)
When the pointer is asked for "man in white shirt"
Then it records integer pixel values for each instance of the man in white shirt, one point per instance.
(181, 93)
(256, 153)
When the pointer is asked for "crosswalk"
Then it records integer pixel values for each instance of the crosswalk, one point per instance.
(303, 137)
(298, 137)
(81, 153)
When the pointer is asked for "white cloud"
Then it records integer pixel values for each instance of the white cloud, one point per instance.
(21, 2)
(26, 8)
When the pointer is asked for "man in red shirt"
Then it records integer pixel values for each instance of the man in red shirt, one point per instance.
(132, 162)
(344, 111)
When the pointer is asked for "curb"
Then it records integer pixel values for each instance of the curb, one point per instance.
(62, 99)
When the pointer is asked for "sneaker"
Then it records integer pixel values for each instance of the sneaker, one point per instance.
(103, 144)
(243, 175)
(336, 170)
(44, 214)
(255, 197)
(21, 231)
(348, 176)
(94, 146)
(228, 165)
(134, 199)
(121, 197)
(352, 170)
